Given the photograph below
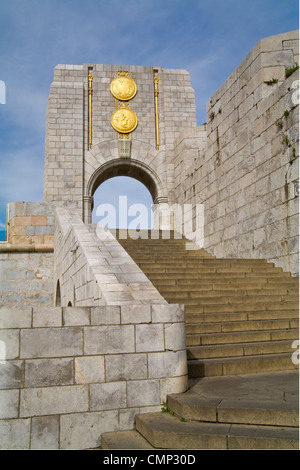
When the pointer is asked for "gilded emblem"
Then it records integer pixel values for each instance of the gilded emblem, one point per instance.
(123, 88)
(124, 120)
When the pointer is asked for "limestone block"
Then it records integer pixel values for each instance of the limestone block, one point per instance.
(149, 338)
(15, 434)
(175, 338)
(53, 400)
(15, 317)
(47, 317)
(9, 404)
(109, 339)
(167, 364)
(108, 396)
(89, 369)
(274, 58)
(106, 315)
(167, 313)
(45, 433)
(51, 342)
(126, 367)
(127, 418)
(46, 372)
(94, 424)
(135, 314)
(12, 374)
(73, 316)
(143, 393)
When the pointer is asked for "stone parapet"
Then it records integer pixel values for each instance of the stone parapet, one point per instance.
(90, 270)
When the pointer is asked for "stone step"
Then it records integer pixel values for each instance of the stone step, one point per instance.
(165, 431)
(227, 297)
(245, 310)
(191, 259)
(210, 292)
(240, 365)
(209, 284)
(227, 284)
(228, 327)
(239, 349)
(191, 406)
(292, 315)
(241, 337)
(214, 277)
(237, 302)
(192, 307)
(181, 268)
(124, 440)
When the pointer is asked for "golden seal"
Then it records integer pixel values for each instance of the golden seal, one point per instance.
(124, 120)
(123, 88)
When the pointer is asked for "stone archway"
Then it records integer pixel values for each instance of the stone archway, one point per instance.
(122, 167)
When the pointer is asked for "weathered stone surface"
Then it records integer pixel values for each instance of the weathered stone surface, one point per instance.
(46, 372)
(75, 316)
(170, 364)
(47, 316)
(15, 317)
(53, 400)
(149, 338)
(15, 434)
(109, 339)
(175, 336)
(12, 374)
(94, 424)
(126, 367)
(106, 315)
(136, 314)
(51, 342)
(108, 396)
(45, 433)
(89, 369)
(9, 404)
(142, 392)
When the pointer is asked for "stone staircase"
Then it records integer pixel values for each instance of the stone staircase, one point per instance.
(241, 318)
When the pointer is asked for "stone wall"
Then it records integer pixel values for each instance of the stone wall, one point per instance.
(246, 172)
(26, 260)
(26, 278)
(70, 374)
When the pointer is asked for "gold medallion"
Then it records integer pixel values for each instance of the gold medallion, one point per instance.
(123, 88)
(124, 120)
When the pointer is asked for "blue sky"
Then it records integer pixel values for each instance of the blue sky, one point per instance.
(208, 38)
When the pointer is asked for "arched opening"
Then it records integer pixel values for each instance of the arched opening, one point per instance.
(130, 168)
(123, 202)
